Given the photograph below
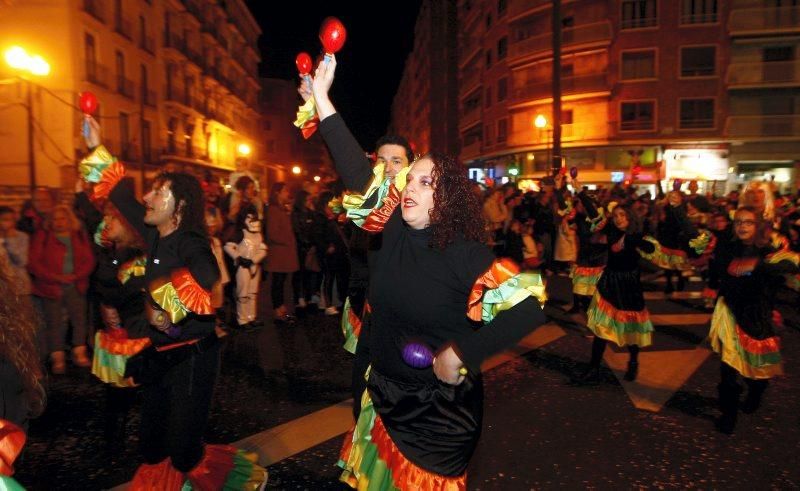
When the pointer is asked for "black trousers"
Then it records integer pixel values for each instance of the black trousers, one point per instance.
(175, 410)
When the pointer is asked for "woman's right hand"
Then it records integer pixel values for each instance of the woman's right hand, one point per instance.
(321, 84)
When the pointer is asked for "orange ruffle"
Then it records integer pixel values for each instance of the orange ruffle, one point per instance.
(709, 293)
(157, 477)
(112, 175)
(405, 474)
(758, 346)
(12, 439)
(377, 219)
(309, 127)
(214, 468)
(193, 296)
(116, 342)
(588, 270)
(500, 271)
(622, 315)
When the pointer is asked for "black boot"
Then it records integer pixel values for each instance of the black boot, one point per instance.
(755, 389)
(681, 282)
(729, 406)
(633, 370)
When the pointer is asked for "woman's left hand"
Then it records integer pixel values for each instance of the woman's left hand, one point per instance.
(446, 366)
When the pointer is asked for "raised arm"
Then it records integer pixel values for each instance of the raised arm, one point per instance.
(351, 162)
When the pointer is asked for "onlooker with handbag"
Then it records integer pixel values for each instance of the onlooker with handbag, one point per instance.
(61, 261)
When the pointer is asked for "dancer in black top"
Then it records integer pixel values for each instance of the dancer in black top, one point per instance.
(747, 270)
(431, 269)
(178, 370)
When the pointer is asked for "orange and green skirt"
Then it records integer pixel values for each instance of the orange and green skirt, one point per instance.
(752, 358)
(584, 279)
(371, 461)
(112, 350)
(623, 327)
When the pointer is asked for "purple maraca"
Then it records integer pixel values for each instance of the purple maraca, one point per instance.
(676, 185)
(418, 355)
(573, 172)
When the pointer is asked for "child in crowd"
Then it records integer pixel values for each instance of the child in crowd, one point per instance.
(530, 249)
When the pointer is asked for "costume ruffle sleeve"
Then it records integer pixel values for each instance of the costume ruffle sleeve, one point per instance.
(509, 304)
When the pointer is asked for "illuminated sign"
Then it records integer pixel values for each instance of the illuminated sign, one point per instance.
(617, 176)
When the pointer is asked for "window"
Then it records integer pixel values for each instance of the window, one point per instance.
(90, 53)
(120, 59)
(637, 116)
(118, 13)
(502, 130)
(502, 48)
(488, 58)
(566, 116)
(142, 32)
(698, 11)
(143, 81)
(488, 21)
(778, 53)
(567, 70)
(502, 5)
(146, 143)
(638, 65)
(779, 64)
(170, 72)
(638, 13)
(488, 99)
(502, 89)
(698, 61)
(124, 134)
(487, 134)
(172, 126)
(187, 138)
(697, 113)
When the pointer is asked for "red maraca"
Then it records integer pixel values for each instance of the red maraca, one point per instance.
(573, 172)
(332, 34)
(676, 185)
(88, 102)
(303, 62)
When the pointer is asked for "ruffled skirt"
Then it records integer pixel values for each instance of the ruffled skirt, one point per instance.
(617, 312)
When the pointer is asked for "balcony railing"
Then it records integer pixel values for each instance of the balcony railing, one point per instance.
(764, 74)
(704, 18)
(174, 41)
(471, 150)
(639, 22)
(764, 126)
(194, 9)
(590, 33)
(469, 80)
(148, 44)
(470, 116)
(590, 130)
(590, 82)
(765, 20)
(123, 28)
(126, 87)
(193, 55)
(96, 73)
(176, 94)
(520, 7)
(149, 98)
(95, 9)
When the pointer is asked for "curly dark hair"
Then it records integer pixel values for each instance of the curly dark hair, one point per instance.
(457, 211)
(634, 223)
(189, 200)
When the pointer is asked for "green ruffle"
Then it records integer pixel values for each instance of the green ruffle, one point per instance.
(511, 292)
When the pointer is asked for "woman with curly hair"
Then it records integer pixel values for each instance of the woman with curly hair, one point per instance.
(21, 392)
(432, 282)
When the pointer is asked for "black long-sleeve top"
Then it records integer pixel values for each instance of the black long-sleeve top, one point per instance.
(419, 293)
(180, 249)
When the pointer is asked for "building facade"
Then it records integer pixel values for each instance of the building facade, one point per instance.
(689, 89)
(425, 107)
(177, 82)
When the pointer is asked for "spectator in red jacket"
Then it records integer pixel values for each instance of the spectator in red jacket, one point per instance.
(61, 261)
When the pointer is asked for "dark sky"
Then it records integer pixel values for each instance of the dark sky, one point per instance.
(369, 65)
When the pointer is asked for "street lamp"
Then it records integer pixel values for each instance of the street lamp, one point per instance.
(244, 149)
(296, 170)
(541, 123)
(21, 61)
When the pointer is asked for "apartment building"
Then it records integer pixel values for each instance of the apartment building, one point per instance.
(690, 89)
(425, 107)
(177, 82)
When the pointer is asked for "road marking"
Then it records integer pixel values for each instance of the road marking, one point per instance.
(679, 319)
(661, 374)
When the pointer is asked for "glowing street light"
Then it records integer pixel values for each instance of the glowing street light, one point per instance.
(316, 178)
(20, 60)
(244, 149)
(540, 121)
(296, 170)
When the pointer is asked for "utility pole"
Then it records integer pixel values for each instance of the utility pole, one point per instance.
(31, 152)
(556, 159)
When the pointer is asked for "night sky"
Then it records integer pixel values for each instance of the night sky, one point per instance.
(369, 65)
